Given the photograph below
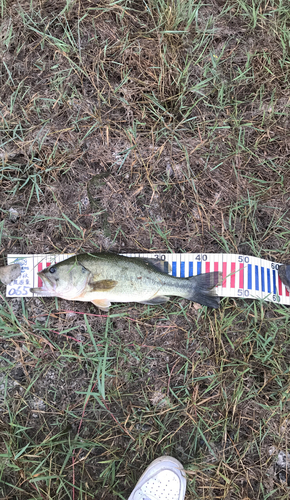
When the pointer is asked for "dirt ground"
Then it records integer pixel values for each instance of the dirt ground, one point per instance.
(185, 107)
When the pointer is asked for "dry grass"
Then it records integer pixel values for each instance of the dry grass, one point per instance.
(185, 106)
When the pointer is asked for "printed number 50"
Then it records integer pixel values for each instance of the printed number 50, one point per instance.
(243, 293)
(245, 259)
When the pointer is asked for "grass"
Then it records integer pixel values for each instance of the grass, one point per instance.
(184, 109)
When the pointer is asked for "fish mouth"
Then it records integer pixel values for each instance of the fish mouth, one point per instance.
(47, 289)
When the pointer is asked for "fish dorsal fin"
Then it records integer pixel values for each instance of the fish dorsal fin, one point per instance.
(160, 265)
(102, 285)
(103, 304)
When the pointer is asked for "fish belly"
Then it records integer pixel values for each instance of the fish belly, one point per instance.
(128, 292)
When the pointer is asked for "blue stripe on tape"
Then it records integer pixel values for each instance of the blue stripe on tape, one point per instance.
(269, 280)
(274, 282)
(199, 268)
(263, 278)
(173, 268)
(256, 278)
(250, 276)
(182, 269)
(190, 268)
(166, 267)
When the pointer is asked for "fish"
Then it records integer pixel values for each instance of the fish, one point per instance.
(103, 278)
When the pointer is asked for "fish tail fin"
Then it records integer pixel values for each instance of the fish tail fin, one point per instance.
(203, 289)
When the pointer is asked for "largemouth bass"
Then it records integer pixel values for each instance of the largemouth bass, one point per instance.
(103, 278)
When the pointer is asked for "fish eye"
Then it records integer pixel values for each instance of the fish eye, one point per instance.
(52, 270)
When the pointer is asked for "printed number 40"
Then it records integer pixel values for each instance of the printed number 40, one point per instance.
(201, 256)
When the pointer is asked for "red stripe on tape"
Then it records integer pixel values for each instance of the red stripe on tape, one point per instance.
(207, 267)
(224, 274)
(241, 276)
(233, 276)
(39, 268)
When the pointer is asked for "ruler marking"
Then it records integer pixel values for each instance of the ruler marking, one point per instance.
(182, 269)
(33, 286)
(178, 258)
(166, 267)
(274, 281)
(250, 276)
(256, 278)
(224, 274)
(39, 269)
(190, 268)
(233, 275)
(185, 261)
(241, 276)
(263, 278)
(207, 267)
(269, 280)
(199, 268)
(279, 285)
(216, 266)
(173, 268)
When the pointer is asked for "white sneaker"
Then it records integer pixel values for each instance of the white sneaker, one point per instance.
(164, 479)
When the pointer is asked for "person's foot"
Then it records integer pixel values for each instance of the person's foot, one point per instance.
(164, 479)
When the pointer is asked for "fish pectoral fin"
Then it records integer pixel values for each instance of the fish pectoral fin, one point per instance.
(103, 304)
(161, 299)
(102, 285)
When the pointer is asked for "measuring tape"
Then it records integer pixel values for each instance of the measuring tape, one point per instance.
(243, 276)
